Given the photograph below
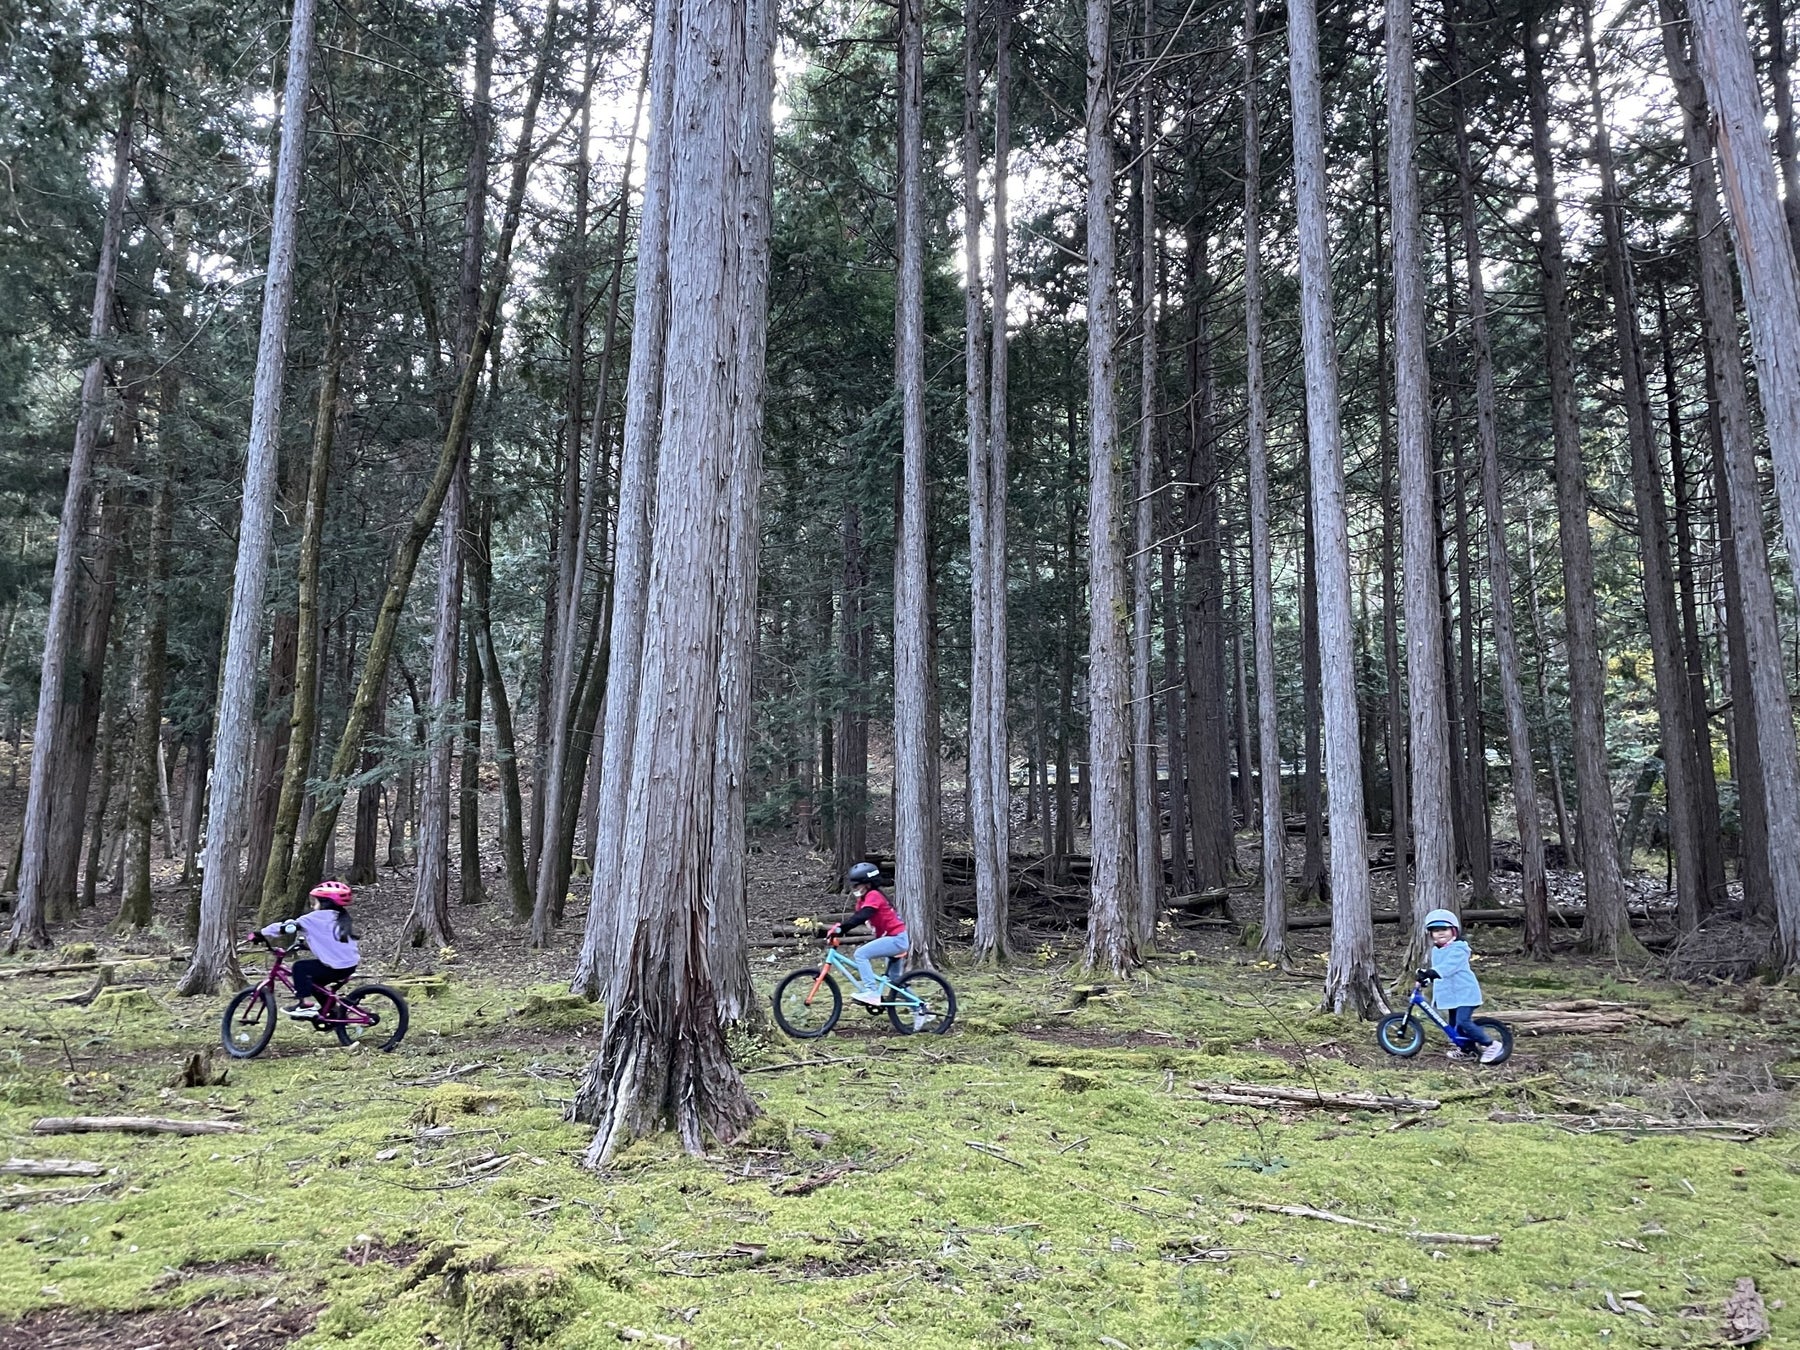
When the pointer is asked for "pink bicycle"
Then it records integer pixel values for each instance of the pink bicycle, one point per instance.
(371, 1014)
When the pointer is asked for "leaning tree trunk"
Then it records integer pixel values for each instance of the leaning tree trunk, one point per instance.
(1433, 835)
(1606, 928)
(373, 675)
(1110, 944)
(277, 888)
(1753, 217)
(663, 1059)
(1350, 979)
(29, 913)
(214, 959)
(1672, 706)
(1262, 552)
(1534, 884)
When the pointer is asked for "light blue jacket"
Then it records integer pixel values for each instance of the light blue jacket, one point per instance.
(1456, 985)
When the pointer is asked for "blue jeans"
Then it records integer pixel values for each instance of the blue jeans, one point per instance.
(865, 955)
(1463, 1020)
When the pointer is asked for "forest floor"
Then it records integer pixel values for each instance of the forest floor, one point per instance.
(1048, 1174)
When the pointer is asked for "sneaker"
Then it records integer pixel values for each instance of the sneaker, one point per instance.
(304, 1011)
(1491, 1052)
(867, 996)
(1457, 1052)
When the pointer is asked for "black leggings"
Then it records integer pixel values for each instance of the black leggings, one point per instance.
(310, 973)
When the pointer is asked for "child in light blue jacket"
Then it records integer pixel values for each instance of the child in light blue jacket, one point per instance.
(1456, 991)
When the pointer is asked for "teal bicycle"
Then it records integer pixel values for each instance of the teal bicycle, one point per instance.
(808, 1002)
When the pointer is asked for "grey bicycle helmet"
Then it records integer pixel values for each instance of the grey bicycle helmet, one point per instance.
(862, 872)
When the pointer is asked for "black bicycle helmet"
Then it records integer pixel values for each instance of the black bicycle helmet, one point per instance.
(862, 872)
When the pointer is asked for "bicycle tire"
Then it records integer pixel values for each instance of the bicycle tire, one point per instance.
(1400, 1035)
(803, 1028)
(939, 1012)
(250, 1037)
(1501, 1032)
(357, 1034)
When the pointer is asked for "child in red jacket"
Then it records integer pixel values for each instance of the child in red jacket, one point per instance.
(890, 933)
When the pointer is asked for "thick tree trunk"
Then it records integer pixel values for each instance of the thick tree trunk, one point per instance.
(29, 926)
(999, 796)
(1533, 883)
(1433, 838)
(135, 909)
(1111, 944)
(279, 895)
(1273, 946)
(1350, 980)
(663, 1060)
(1607, 929)
(272, 744)
(214, 960)
(637, 495)
(1753, 217)
(914, 827)
(1672, 707)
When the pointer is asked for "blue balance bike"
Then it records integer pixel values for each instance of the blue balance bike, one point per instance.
(1403, 1033)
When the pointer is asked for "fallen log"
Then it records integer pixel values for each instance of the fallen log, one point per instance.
(1260, 1094)
(1741, 1130)
(1546, 1022)
(1489, 1241)
(133, 1125)
(50, 1167)
(1505, 917)
(82, 967)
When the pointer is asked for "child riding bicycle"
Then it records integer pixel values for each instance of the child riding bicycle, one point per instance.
(890, 933)
(332, 941)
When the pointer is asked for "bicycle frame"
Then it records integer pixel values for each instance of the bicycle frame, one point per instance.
(332, 1009)
(1456, 1038)
(836, 960)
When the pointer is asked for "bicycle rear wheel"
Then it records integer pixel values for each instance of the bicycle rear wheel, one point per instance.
(388, 1014)
(1498, 1031)
(922, 1003)
(803, 1012)
(248, 1023)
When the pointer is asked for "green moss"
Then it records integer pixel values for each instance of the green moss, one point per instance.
(1082, 1214)
(444, 1104)
(559, 1009)
(73, 952)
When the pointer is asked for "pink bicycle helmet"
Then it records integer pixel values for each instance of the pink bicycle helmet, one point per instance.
(334, 891)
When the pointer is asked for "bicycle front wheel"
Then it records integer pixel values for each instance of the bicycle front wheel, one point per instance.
(922, 1003)
(248, 1023)
(386, 1012)
(807, 1004)
(1399, 1034)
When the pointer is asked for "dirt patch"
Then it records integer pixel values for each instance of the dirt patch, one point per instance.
(206, 1326)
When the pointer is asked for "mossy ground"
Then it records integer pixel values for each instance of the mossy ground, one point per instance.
(1044, 1176)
